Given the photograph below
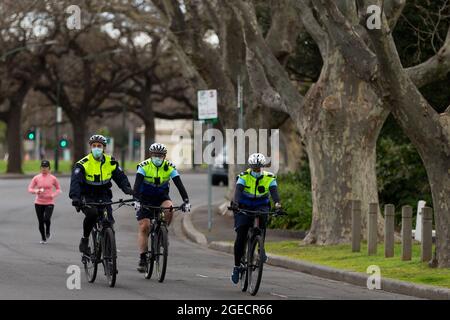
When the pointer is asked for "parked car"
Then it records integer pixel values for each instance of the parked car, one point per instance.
(220, 169)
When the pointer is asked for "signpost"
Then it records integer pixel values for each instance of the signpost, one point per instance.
(58, 121)
(207, 111)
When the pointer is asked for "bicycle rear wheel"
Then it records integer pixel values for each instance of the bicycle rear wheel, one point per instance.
(110, 257)
(161, 253)
(91, 262)
(255, 264)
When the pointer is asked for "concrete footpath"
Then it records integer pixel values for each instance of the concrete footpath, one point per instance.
(221, 237)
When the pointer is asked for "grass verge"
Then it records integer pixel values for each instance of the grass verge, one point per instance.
(341, 257)
(32, 166)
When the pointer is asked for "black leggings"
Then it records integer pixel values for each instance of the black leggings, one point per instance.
(241, 242)
(44, 215)
(91, 216)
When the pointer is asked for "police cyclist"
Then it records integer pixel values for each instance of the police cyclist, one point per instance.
(91, 182)
(152, 188)
(253, 188)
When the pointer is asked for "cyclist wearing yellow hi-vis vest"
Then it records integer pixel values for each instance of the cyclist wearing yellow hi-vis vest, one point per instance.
(91, 182)
(253, 189)
(151, 188)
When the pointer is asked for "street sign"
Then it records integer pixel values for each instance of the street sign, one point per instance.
(58, 114)
(207, 104)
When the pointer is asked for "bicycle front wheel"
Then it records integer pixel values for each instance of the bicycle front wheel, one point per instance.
(255, 264)
(110, 257)
(161, 253)
(243, 276)
(90, 262)
(150, 258)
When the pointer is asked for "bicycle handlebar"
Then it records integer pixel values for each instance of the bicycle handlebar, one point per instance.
(121, 201)
(161, 208)
(258, 213)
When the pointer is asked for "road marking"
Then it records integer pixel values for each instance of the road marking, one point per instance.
(278, 295)
(201, 276)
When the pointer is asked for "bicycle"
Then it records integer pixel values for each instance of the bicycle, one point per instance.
(159, 243)
(251, 268)
(103, 243)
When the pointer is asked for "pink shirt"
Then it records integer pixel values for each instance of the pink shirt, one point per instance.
(42, 185)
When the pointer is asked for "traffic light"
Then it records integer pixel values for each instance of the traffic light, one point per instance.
(63, 143)
(137, 143)
(31, 135)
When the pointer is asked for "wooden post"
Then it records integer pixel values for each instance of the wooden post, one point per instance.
(372, 229)
(356, 226)
(406, 233)
(427, 234)
(389, 223)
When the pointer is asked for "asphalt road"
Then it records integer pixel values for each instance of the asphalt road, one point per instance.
(29, 270)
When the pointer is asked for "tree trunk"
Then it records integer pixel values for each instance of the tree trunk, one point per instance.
(14, 137)
(80, 139)
(345, 119)
(438, 173)
(150, 132)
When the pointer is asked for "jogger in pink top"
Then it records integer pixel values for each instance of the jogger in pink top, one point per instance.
(46, 187)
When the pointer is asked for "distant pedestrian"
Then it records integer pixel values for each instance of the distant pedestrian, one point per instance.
(46, 187)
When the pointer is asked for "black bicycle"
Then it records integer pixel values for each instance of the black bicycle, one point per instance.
(156, 256)
(102, 245)
(254, 257)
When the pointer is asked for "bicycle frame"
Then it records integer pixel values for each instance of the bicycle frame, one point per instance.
(255, 231)
(102, 251)
(158, 239)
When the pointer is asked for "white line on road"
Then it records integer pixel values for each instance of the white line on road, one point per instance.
(278, 295)
(201, 276)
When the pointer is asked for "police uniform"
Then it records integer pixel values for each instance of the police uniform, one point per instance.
(152, 185)
(91, 180)
(254, 196)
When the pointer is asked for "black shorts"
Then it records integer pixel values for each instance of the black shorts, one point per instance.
(142, 214)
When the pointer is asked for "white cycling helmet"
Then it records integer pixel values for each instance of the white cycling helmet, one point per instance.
(98, 138)
(158, 148)
(257, 160)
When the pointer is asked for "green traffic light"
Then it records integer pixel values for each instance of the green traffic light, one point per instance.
(31, 136)
(63, 143)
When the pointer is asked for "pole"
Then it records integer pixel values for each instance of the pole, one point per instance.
(124, 139)
(210, 218)
(58, 119)
(37, 144)
(406, 233)
(372, 230)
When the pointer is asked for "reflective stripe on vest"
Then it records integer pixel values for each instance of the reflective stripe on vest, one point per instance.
(97, 173)
(156, 176)
(257, 188)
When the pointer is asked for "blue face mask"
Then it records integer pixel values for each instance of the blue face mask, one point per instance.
(97, 153)
(256, 174)
(157, 161)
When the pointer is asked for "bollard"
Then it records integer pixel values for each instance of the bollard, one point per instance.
(356, 226)
(427, 235)
(372, 229)
(389, 223)
(406, 233)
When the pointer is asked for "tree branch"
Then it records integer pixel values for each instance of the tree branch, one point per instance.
(434, 69)
(353, 48)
